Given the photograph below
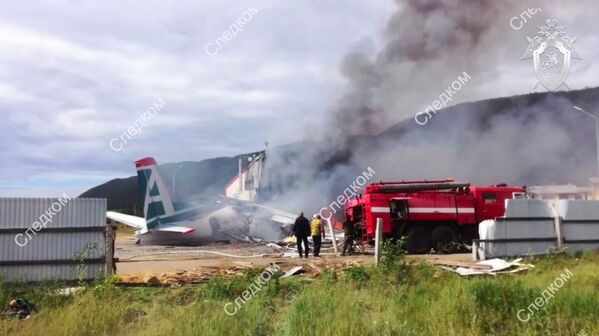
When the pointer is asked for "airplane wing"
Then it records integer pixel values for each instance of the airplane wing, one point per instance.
(276, 215)
(279, 216)
(135, 222)
(175, 228)
(139, 223)
(282, 219)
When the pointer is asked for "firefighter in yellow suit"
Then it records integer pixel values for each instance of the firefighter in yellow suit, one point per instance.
(317, 231)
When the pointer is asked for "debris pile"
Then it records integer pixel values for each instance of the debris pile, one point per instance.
(310, 269)
(492, 267)
(183, 277)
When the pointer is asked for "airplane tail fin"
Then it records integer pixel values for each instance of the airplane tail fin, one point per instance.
(157, 198)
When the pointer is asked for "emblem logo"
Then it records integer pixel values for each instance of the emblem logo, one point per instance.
(551, 50)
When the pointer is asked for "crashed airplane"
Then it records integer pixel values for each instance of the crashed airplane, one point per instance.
(234, 216)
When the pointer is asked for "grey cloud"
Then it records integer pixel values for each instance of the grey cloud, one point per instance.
(74, 75)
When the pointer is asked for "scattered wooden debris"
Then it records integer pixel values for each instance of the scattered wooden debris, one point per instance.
(294, 271)
(316, 268)
(310, 269)
(492, 267)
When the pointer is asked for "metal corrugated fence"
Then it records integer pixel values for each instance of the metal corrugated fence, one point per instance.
(70, 246)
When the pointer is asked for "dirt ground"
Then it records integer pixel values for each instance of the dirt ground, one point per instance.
(195, 264)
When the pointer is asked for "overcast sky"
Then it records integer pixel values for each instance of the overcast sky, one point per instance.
(76, 74)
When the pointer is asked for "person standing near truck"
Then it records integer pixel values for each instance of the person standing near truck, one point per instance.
(317, 230)
(301, 231)
(349, 230)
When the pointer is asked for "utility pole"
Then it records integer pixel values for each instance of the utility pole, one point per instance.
(240, 175)
(596, 132)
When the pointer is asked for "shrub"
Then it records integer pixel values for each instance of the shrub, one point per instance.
(357, 274)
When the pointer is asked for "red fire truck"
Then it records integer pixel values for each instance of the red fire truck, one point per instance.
(430, 214)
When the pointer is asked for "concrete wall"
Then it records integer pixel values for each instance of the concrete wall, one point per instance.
(580, 224)
(532, 226)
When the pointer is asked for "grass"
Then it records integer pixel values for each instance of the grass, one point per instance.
(396, 299)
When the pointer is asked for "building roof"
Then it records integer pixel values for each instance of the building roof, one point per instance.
(558, 189)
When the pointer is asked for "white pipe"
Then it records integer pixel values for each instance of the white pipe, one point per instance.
(195, 251)
(330, 224)
(378, 240)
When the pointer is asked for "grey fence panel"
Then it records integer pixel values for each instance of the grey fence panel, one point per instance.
(31, 273)
(531, 227)
(71, 246)
(517, 236)
(580, 224)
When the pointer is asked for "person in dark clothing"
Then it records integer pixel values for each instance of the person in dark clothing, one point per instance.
(301, 231)
(349, 229)
(20, 308)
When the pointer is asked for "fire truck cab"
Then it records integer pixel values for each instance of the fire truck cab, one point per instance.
(429, 214)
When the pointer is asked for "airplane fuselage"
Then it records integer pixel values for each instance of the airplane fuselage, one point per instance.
(209, 227)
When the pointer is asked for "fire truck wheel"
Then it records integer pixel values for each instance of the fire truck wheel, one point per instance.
(443, 239)
(418, 240)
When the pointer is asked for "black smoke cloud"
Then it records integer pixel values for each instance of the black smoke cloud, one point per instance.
(427, 45)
